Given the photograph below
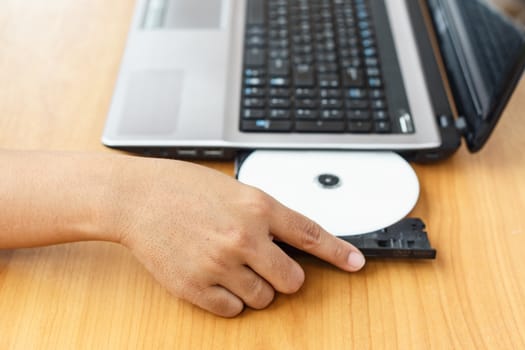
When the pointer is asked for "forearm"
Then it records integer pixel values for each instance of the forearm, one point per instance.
(202, 234)
(49, 198)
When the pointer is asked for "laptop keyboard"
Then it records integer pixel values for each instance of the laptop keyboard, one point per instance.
(312, 66)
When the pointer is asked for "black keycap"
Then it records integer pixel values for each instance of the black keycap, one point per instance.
(360, 126)
(303, 75)
(255, 41)
(253, 113)
(254, 92)
(366, 34)
(375, 82)
(279, 67)
(326, 57)
(254, 102)
(382, 127)
(255, 30)
(266, 125)
(254, 73)
(351, 62)
(353, 77)
(331, 114)
(358, 114)
(279, 92)
(305, 93)
(378, 104)
(363, 25)
(306, 103)
(255, 12)
(278, 34)
(330, 93)
(277, 102)
(319, 126)
(279, 82)
(306, 114)
(371, 62)
(351, 52)
(380, 115)
(250, 82)
(356, 93)
(279, 54)
(357, 104)
(327, 67)
(370, 52)
(373, 72)
(255, 57)
(278, 22)
(279, 43)
(368, 42)
(304, 59)
(328, 81)
(279, 114)
(302, 50)
(331, 103)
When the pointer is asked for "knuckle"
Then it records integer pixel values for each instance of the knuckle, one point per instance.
(193, 293)
(311, 236)
(258, 203)
(294, 281)
(217, 303)
(187, 288)
(241, 240)
(216, 263)
(291, 276)
(340, 253)
(260, 294)
(225, 307)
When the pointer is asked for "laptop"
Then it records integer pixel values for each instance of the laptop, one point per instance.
(210, 78)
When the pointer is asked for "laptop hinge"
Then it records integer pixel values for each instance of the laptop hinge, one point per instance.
(461, 125)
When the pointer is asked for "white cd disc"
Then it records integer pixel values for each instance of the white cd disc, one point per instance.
(347, 193)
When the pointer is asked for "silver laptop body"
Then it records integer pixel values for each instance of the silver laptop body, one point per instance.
(179, 85)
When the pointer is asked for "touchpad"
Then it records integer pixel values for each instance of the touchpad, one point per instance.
(183, 14)
(152, 103)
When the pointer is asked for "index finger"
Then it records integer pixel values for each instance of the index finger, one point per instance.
(297, 230)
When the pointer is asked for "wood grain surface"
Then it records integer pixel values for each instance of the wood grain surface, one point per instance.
(58, 64)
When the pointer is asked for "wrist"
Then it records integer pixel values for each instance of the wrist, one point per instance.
(114, 209)
(128, 183)
(97, 198)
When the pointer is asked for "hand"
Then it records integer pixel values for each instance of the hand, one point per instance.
(209, 238)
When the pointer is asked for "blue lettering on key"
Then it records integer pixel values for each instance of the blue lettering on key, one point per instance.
(277, 81)
(262, 123)
(355, 93)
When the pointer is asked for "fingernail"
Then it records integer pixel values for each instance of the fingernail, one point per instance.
(356, 260)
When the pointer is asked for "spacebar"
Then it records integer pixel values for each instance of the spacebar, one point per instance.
(319, 126)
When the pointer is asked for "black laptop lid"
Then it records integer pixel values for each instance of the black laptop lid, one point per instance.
(483, 46)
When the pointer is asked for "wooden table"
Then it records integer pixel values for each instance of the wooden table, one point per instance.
(58, 64)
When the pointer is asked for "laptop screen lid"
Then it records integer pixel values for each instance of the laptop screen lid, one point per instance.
(483, 46)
